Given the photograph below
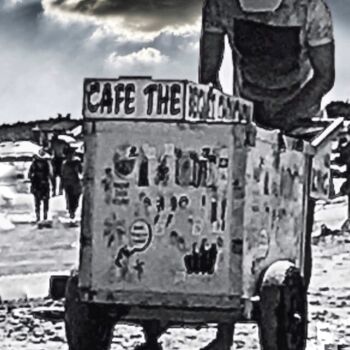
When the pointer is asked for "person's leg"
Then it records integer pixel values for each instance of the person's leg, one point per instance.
(223, 339)
(74, 204)
(67, 192)
(70, 201)
(37, 206)
(46, 206)
(60, 187)
(54, 184)
(59, 175)
(54, 176)
(308, 247)
(152, 331)
(66, 199)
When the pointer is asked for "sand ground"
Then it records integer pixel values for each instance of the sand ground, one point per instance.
(28, 257)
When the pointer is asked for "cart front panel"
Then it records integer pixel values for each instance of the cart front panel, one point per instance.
(162, 223)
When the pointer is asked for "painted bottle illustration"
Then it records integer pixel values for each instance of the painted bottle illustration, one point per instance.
(204, 263)
(212, 255)
(107, 184)
(197, 226)
(162, 171)
(152, 163)
(183, 168)
(223, 170)
(236, 111)
(143, 170)
(192, 260)
(200, 221)
(203, 165)
(212, 172)
(171, 162)
(204, 206)
(213, 213)
(223, 214)
(171, 215)
(195, 169)
(202, 260)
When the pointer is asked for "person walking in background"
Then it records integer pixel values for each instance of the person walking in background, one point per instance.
(40, 174)
(71, 181)
(58, 148)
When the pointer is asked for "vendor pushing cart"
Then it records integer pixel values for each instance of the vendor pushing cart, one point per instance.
(191, 215)
(283, 58)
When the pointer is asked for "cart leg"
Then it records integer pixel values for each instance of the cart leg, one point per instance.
(308, 245)
(152, 330)
(283, 309)
(224, 338)
(87, 326)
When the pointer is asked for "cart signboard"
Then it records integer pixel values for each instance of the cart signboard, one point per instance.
(161, 100)
(133, 99)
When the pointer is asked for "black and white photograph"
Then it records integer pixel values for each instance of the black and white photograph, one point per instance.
(174, 175)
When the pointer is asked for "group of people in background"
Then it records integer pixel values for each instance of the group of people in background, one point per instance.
(63, 163)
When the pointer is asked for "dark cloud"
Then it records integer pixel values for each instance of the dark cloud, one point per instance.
(144, 15)
(44, 59)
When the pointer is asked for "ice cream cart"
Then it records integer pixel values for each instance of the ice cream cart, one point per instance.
(191, 213)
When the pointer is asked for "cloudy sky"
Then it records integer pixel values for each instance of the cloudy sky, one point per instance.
(49, 46)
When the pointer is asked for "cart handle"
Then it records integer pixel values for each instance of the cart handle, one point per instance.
(326, 133)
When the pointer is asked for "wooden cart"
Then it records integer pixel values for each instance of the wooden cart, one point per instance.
(191, 214)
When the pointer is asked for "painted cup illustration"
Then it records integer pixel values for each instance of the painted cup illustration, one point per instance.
(125, 162)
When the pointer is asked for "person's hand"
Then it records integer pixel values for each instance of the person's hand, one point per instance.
(295, 114)
(217, 85)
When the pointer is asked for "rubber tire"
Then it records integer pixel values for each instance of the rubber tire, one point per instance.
(279, 302)
(87, 327)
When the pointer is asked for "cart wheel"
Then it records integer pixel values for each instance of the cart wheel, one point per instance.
(87, 326)
(283, 308)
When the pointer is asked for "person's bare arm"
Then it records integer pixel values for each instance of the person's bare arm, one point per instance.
(210, 58)
(300, 107)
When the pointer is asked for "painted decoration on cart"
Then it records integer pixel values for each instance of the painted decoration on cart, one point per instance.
(161, 100)
(162, 208)
(273, 210)
(321, 173)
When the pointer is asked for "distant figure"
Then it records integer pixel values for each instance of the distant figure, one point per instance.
(58, 148)
(71, 173)
(40, 174)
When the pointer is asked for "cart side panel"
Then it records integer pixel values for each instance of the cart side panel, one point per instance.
(160, 190)
(321, 181)
(86, 235)
(241, 148)
(273, 221)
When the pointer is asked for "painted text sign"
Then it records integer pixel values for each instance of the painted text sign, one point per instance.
(133, 99)
(146, 99)
(205, 103)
